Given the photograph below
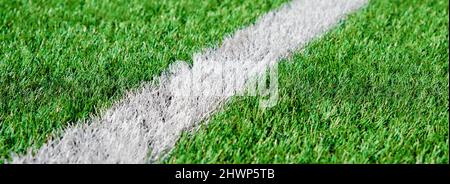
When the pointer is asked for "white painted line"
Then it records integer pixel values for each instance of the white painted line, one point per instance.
(147, 122)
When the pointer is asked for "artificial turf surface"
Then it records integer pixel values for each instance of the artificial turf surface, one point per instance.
(374, 90)
(62, 60)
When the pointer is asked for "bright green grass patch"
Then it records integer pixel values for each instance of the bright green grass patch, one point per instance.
(61, 60)
(375, 90)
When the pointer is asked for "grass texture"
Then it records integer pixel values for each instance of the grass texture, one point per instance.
(375, 90)
(63, 60)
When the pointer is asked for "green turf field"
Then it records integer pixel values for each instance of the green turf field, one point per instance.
(62, 60)
(373, 91)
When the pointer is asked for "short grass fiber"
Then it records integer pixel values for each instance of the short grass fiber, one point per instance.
(61, 61)
(374, 90)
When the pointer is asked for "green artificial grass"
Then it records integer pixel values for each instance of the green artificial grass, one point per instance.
(374, 90)
(62, 60)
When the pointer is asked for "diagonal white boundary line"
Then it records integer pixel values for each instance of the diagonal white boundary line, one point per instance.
(147, 122)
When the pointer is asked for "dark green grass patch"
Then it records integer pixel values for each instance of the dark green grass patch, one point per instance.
(61, 60)
(375, 90)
